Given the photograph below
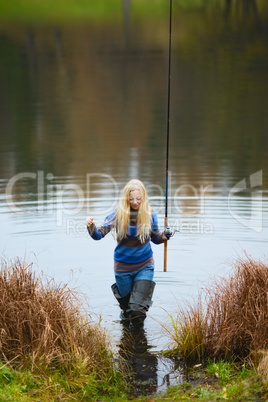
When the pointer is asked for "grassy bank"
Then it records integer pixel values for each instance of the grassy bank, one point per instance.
(224, 337)
(216, 381)
(55, 385)
(50, 348)
(219, 380)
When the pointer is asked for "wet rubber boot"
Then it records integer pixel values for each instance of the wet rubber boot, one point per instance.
(123, 303)
(140, 301)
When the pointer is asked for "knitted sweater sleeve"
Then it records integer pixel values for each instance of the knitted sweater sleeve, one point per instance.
(98, 233)
(156, 235)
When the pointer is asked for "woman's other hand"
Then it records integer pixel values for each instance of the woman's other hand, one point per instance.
(89, 221)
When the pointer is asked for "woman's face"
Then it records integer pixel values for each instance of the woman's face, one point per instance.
(135, 199)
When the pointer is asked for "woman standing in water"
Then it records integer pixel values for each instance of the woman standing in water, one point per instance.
(134, 224)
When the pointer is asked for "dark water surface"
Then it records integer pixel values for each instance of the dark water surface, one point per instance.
(83, 110)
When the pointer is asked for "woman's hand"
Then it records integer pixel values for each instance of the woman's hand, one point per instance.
(164, 237)
(89, 221)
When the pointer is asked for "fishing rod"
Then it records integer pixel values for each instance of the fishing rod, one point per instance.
(168, 232)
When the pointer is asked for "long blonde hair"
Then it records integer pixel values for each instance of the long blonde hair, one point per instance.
(123, 212)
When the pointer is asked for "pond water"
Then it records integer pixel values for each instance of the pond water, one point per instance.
(84, 110)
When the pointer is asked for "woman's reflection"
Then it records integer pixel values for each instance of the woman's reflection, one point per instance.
(140, 363)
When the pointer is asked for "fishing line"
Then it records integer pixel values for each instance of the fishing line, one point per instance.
(167, 229)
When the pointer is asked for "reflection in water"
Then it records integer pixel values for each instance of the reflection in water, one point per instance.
(141, 364)
(242, 8)
(76, 100)
(149, 373)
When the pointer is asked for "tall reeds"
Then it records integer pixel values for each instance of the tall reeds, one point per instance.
(230, 318)
(237, 311)
(43, 321)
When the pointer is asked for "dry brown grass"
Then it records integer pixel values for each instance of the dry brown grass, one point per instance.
(237, 311)
(230, 319)
(42, 320)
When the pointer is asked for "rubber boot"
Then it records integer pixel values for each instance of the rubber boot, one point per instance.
(140, 301)
(123, 303)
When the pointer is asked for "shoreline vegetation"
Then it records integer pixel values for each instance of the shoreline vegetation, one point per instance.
(74, 11)
(71, 11)
(223, 336)
(51, 349)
